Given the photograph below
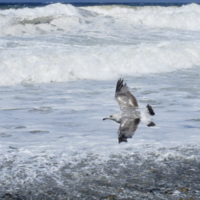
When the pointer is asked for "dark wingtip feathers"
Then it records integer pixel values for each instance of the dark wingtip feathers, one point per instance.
(119, 85)
(122, 138)
(150, 109)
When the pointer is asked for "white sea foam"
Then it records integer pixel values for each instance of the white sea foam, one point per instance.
(40, 20)
(183, 17)
(59, 17)
(41, 63)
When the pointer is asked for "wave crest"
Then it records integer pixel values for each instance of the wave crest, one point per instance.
(56, 18)
(49, 64)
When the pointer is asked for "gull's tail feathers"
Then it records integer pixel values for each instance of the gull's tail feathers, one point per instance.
(146, 116)
(151, 124)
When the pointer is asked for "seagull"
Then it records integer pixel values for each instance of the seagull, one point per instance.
(129, 117)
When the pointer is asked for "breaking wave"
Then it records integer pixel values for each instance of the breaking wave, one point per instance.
(60, 17)
(44, 65)
(60, 42)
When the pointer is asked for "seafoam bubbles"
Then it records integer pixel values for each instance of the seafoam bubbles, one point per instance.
(52, 174)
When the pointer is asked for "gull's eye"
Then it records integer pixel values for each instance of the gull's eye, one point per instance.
(110, 115)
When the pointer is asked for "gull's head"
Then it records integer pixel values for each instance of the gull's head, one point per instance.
(114, 117)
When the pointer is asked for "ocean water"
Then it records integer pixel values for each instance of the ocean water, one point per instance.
(59, 65)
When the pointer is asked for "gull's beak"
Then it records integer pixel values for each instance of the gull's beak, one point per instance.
(106, 118)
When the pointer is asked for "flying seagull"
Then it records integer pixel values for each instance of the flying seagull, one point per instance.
(129, 117)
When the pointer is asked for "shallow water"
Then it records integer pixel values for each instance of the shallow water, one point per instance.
(56, 87)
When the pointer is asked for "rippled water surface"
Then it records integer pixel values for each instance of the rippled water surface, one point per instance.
(54, 143)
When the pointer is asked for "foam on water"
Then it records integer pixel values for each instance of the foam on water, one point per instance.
(28, 21)
(36, 62)
(59, 17)
(155, 16)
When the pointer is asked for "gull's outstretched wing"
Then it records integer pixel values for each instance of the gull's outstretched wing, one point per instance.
(124, 97)
(127, 128)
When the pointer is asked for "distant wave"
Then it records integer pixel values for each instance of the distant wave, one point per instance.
(56, 17)
(39, 20)
(183, 17)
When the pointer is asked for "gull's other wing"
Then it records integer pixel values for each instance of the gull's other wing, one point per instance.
(127, 128)
(124, 97)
